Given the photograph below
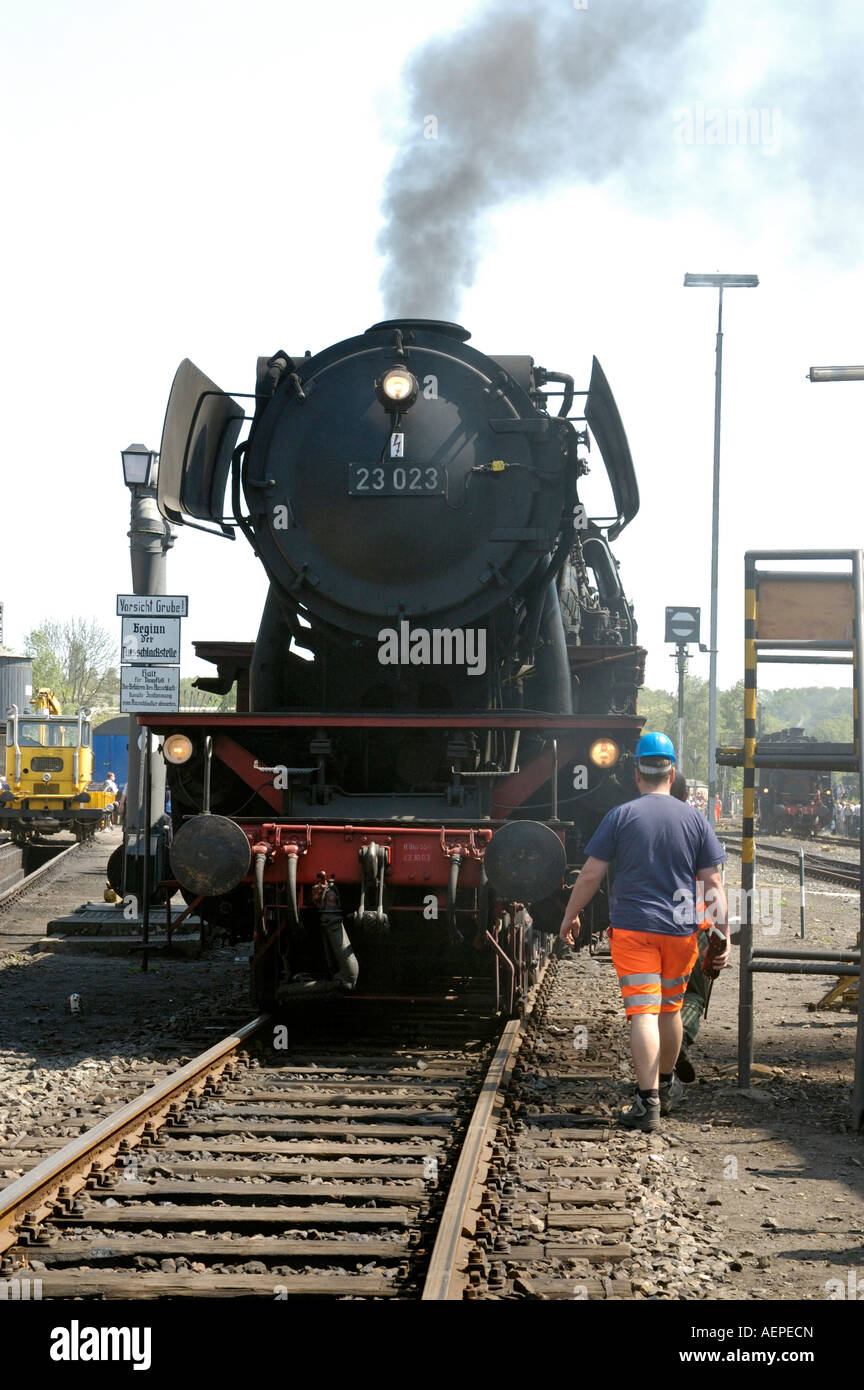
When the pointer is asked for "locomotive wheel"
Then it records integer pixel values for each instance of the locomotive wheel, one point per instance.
(114, 875)
(114, 869)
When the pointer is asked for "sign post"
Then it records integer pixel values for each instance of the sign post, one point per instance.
(149, 682)
(682, 626)
(150, 651)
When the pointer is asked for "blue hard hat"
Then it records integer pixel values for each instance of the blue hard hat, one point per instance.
(655, 745)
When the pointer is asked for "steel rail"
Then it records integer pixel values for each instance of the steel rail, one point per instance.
(444, 1280)
(442, 1275)
(778, 857)
(36, 874)
(34, 1196)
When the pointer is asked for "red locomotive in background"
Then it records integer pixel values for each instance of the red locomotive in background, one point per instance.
(440, 705)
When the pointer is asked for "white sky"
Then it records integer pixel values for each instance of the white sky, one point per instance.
(203, 180)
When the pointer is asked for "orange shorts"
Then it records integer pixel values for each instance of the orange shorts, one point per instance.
(653, 970)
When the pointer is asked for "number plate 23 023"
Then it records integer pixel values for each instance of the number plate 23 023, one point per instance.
(396, 480)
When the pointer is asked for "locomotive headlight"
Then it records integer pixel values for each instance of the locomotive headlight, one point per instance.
(398, 387)
(177, 748)
(604, 752)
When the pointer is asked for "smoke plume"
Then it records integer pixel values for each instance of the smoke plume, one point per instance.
(526, 96)
(715, 106)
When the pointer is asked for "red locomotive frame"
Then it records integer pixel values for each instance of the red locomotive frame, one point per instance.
(419, 855)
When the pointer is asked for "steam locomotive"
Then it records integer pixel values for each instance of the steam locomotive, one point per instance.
(789, 800)
(440, 705)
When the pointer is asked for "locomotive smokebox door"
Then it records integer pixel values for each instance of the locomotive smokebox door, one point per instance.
(210, 855)
(525, 861)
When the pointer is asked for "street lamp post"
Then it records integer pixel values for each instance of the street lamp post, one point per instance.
(150, 539)
(718, 282)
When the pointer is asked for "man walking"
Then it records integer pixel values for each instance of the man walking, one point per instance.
(660, 846)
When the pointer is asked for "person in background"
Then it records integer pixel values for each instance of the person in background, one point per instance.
(698, 989)
(110, 788)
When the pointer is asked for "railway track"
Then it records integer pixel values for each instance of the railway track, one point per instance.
(425, 1156)
(840, 841)
(821, 866)
(14, 879)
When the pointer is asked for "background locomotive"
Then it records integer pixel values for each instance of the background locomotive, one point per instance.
(789, 800)
(446, 653)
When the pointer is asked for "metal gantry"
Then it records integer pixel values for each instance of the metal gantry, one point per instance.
(801, 617)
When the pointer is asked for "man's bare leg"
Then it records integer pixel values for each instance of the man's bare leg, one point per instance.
(645, 1047)
(671, 1037)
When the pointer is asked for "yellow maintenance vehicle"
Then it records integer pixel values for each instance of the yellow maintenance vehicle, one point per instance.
(47, 775)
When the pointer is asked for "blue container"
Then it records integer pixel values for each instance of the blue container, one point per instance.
(111, 751)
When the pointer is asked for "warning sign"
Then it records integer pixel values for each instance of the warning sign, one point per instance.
(149, 689)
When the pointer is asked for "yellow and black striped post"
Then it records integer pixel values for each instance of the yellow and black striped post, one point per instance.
(748, 844)
(857, 714)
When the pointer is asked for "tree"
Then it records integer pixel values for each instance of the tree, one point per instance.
(77, 659)
(824, 712)
(192, 698)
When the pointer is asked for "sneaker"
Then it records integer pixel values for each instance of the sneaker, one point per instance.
(684, 1068)
(640, 1114)
(670, 1094)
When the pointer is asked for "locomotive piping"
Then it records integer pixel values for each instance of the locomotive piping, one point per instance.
(338, 942)
(452, 883)
(569, 390)
(552, 628)
(292, 889)
(258, 888)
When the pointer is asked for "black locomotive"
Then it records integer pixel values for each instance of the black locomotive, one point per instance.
(446, 654)
(788, 800)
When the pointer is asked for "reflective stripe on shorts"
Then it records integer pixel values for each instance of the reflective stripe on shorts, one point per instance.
(641, 960)
(638, 1001)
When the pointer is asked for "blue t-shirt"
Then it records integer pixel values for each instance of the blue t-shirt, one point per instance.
(658, 843)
